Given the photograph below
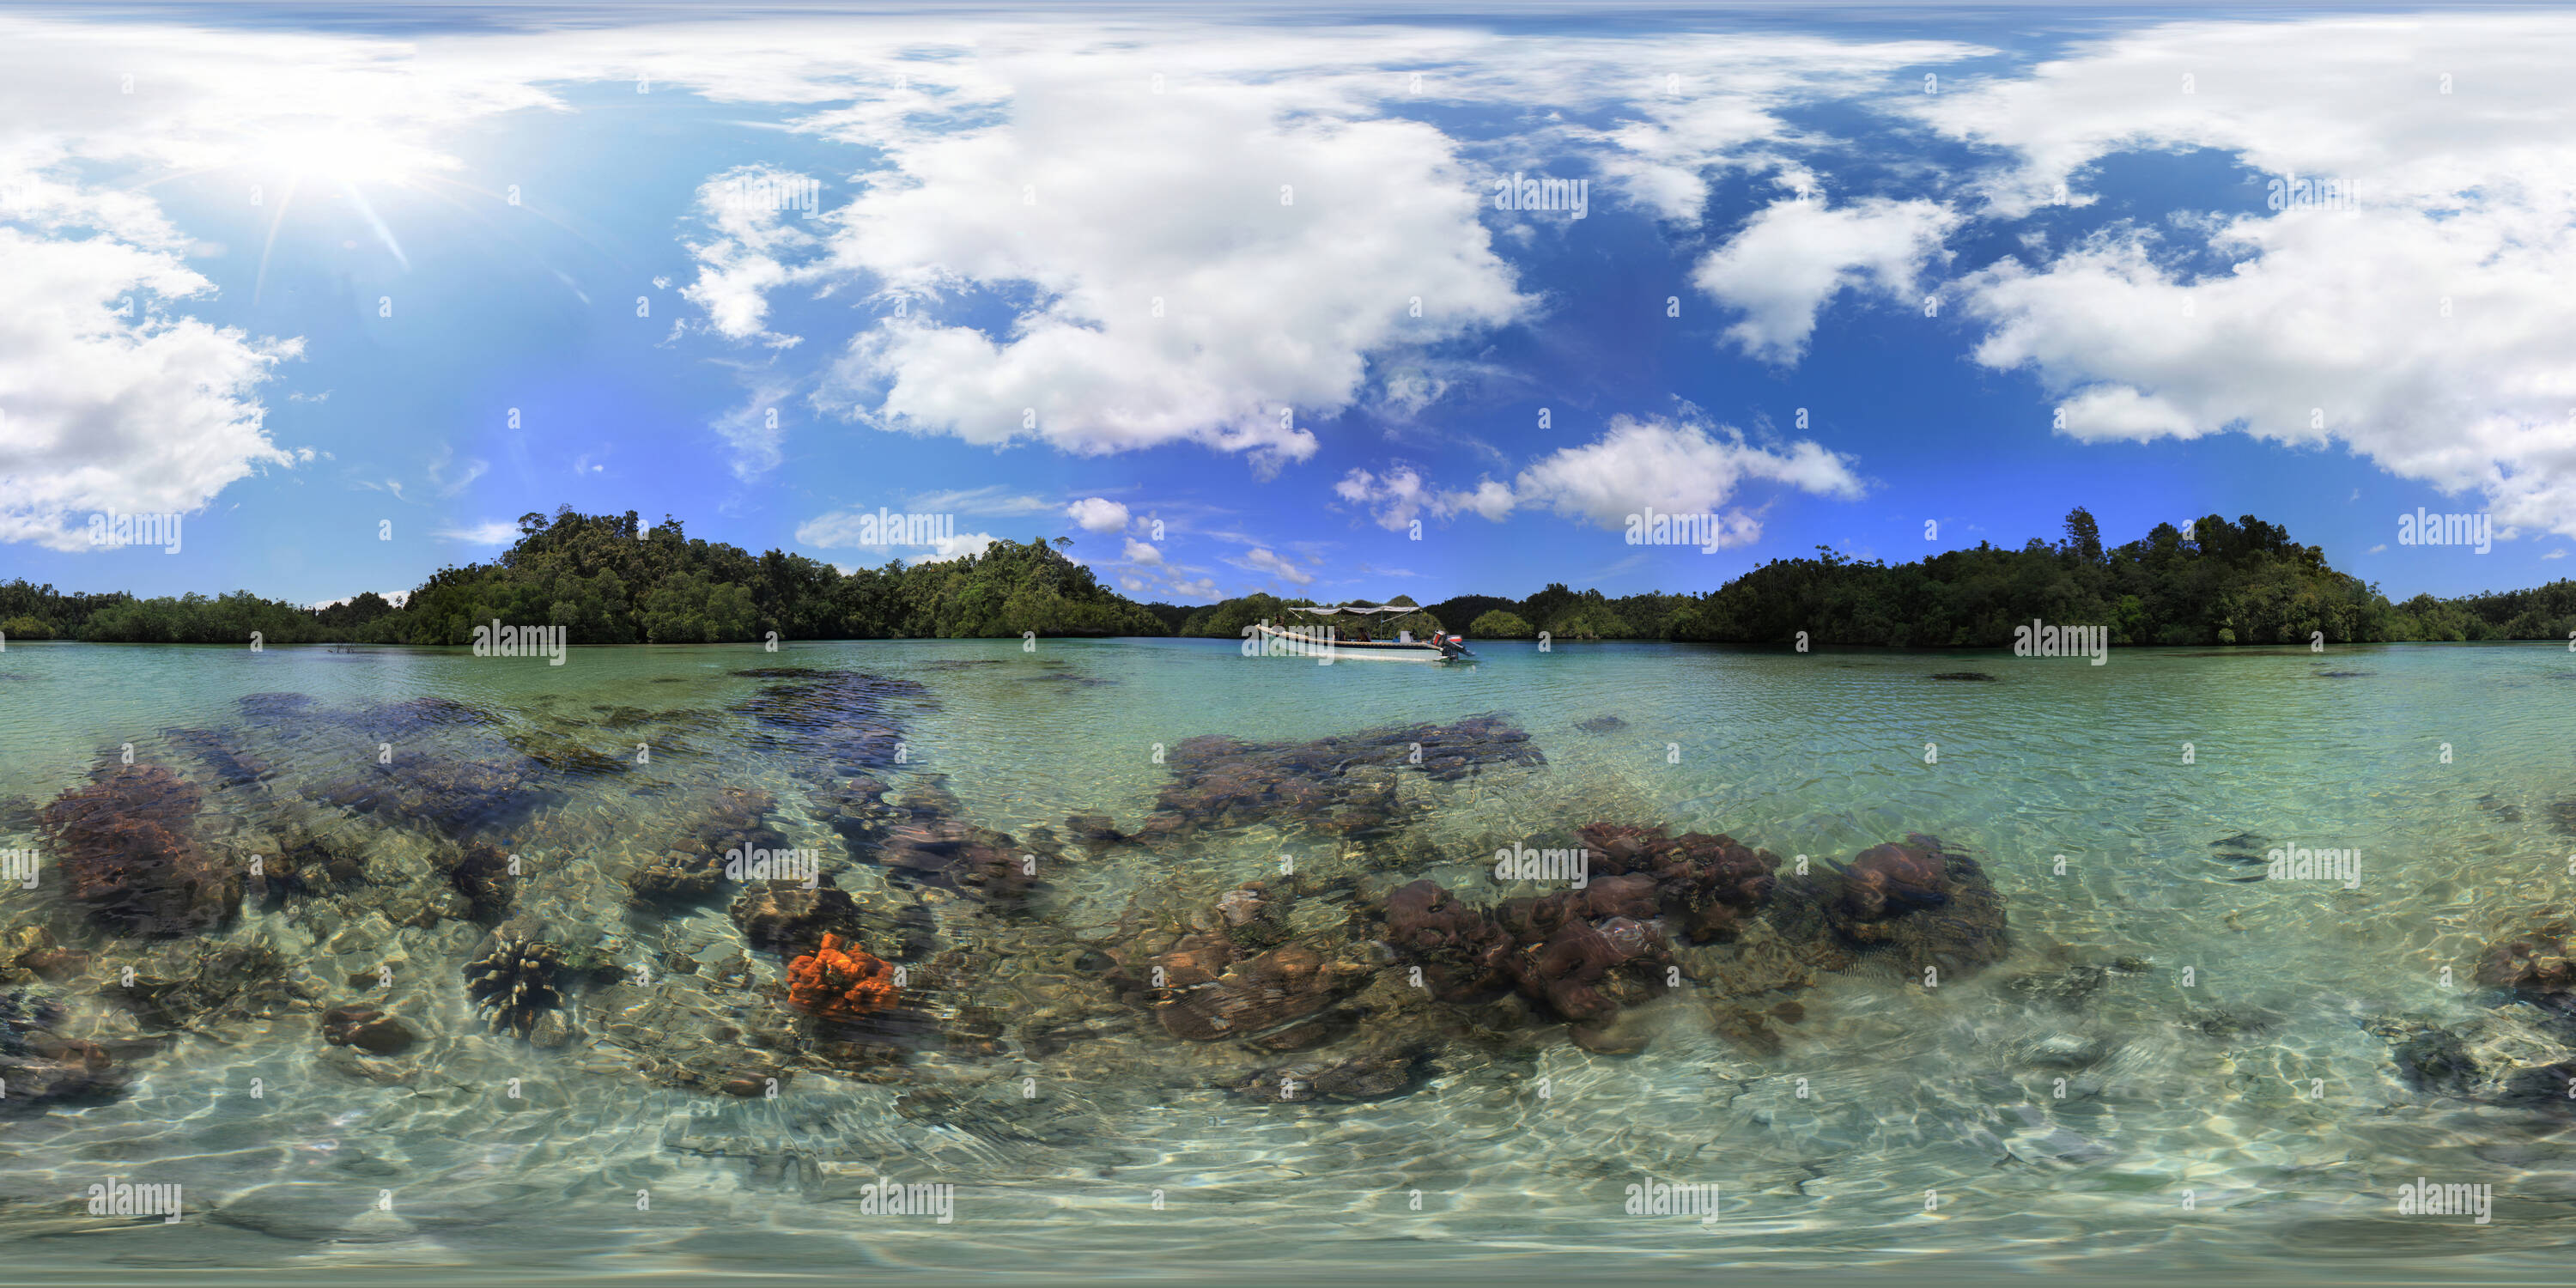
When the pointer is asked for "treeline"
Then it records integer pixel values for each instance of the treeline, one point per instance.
(2244, 582)
(607, 580)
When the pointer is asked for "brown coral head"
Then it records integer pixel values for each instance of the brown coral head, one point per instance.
(841, 985)
(1887, 879)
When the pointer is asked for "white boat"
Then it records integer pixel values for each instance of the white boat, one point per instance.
(1326, 640)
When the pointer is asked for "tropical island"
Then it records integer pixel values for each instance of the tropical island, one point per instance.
(608, 580)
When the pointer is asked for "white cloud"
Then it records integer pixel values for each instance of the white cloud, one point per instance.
(753, 430)
(1795, 256)
(1394, 499)
(1490, 500)
(1398, 495)
(1097, 514)
(1672, 137)
(1261, 559)
(741, 262)
(108, 399)
(498, 532)
(963, 545)
(992, 498)
(1138, 552)
(1674, 467)
(2423, 330)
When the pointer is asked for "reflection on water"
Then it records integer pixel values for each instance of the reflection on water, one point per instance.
(493, 997)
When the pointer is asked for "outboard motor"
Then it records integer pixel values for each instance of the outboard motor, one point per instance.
(1453, 647)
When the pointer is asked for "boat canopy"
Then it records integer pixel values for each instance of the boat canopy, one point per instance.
(1361, 610)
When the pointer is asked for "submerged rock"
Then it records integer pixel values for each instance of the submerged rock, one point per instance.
(128, 856)
(1281, 1000)
(847, 720)
(1930, 906)
(1366, 1076)
(930, 845)
(482, 874)
(1344, 784)
(368, 1029)
(691, 865)
(2515, 1055)
(40, 1067)
(2536, 965)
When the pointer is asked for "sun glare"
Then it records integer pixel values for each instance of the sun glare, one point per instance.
(339, 154)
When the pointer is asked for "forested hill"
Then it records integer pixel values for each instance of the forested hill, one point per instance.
(606, 581)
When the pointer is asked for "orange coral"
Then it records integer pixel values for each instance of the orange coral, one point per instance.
(841, 985)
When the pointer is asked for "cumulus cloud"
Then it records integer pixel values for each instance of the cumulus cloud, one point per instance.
(961, 546)
(2423, 328)
(1394, 499)
(1139, 552)
(1261, 559)
(1796, 256)
(1677, 467)
(1097, 514)
(1399, 494)
(110, 405)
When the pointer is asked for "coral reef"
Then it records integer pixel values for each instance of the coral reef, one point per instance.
(128, 857)
(1343, 785)
(1708, 884)
(841, 985)
(691, 865)
(516, 983)
(929, 844)
(846, 720)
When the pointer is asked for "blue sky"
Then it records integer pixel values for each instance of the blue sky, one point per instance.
(1824, 287)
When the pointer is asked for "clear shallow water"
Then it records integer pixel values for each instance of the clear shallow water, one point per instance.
(2255, 1088)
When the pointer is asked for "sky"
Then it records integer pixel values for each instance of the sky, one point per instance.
(1243, 302)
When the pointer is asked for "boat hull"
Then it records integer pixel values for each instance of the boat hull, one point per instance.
(1289, 644)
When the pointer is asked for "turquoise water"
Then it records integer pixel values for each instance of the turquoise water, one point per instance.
(2225, 1106)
